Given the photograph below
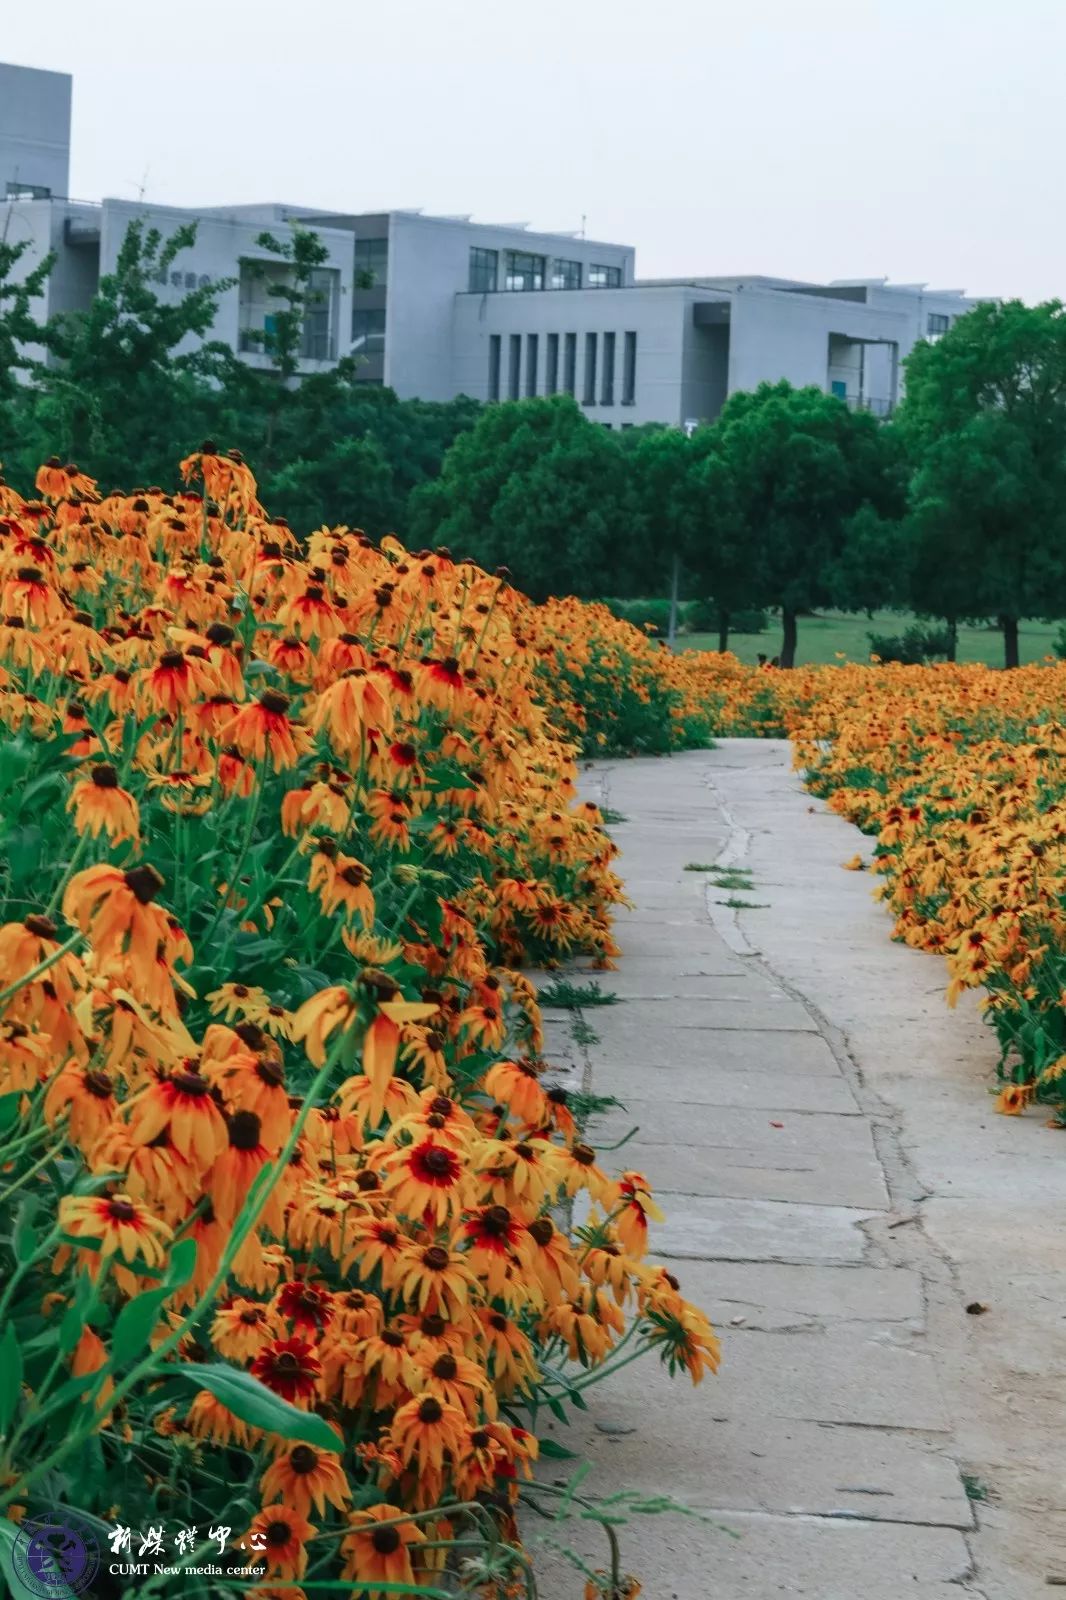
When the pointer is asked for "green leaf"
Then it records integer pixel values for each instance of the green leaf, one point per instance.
(254, 1403)
(15, 1586)
(9, 1110)
(134, 1323)
(26, 1236)
(10, 1375)
(555, 1452)
(182, 1263)
(74, 1317)
(449, 775)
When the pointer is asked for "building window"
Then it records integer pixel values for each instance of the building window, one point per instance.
(551, 374)
(494, 366)
(566, 275)
(371, 263)
(483, 266)
(629, 370)
(936, 324)
(316, 343)
(28, 191)
(532, 352)
(368, 332)
(838, 388)
(607, 387)
(589, 398)
(601, 277)
(522, 270)
(570, 364)
(514, 368)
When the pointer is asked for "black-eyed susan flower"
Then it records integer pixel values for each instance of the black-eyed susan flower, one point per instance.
(182, 1103)
(278, 1539)
(378, 1548)
(305, 1478)
(289, 1367)
(101, 805)
(121, 1226)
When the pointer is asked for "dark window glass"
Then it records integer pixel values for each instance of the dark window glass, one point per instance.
(371, 263)
(551, 376)
(532, 352)
(629, 370)
(601, 277)
(589, 397)
(483, 264)
(570, 364)
(607, 388)
(368, 332)
(514, 369)
(494, 366)
(316, 343)
(937, 323)
(566, 275)
(522, 270)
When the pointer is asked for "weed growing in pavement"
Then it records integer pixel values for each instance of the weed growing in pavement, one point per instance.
(562, 995)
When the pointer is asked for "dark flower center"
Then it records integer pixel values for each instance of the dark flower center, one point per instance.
(393, 1339)
(172, 660)
(144, 882)
(244, 1130)
(191, 1083)
(386, 1541)
(273, 700)
(430, 1411)
(98, 1083)
(542, 1231)
(43, 927)
(437, 1161)
(435, 1258)
(496, 1221)
(278, 1533)
(104, 777)
(122, 1210)
(303, 1459)
(433, 1324)
(445, 1367)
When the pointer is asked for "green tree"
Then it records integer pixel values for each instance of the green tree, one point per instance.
(984, 421)
(536, 487)
(20, 329)
(800, 467)
(132, 380)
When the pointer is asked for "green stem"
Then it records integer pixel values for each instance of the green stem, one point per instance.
(72, 867)
(31, 1172)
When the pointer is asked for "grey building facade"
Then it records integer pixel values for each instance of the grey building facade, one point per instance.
(437, 306)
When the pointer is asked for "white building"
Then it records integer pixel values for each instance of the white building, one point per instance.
(440, 306)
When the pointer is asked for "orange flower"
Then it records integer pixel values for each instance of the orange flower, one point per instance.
(182, 1103)
(426, 1429)
(114, 908)
(101, 806)
(378, 1548)
(123, 1226)
(302, 1477)
(263, 731)
(278, 1537)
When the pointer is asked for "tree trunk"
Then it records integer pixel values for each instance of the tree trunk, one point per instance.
(953, 640)
(671, 635)
(723, 629)
(787, 657)
(1010, 640)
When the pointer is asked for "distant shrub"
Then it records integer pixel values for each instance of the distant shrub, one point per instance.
(914, 647)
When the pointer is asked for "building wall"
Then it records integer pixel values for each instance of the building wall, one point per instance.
(658, 317)
(34, 129)
(429, 264)
(225, 238)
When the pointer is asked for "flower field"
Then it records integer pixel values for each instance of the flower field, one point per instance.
(959, 772)
(285, 1184)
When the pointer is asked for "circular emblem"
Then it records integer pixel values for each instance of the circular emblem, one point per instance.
(56, 1556)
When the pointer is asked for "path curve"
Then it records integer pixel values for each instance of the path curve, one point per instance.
(838, 1189)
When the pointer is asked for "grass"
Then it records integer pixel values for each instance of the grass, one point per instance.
(732, 878)
(583, 1034)
(699, 866)
(744, 905)
(563, 995)
(823, 637)
(611, 817)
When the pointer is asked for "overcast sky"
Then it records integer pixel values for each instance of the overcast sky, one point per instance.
(918, 139)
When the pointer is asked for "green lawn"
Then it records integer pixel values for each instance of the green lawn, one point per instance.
(823, 638)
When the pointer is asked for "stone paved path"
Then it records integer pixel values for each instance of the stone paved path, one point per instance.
(814, 1121)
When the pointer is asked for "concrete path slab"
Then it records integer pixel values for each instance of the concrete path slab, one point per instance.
(837, 1192)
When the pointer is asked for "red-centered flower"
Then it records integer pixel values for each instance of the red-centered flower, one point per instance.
(289, 1367)
(308, 1306)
